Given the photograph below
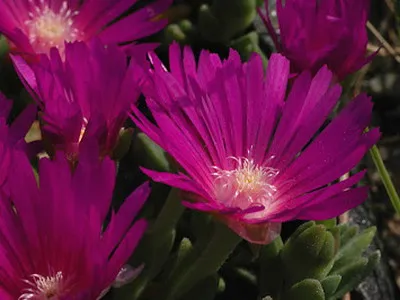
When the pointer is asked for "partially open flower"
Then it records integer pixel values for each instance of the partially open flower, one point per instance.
(249, 154)
(53, 243)
(35, 26)
(89, 93)
(315, 33)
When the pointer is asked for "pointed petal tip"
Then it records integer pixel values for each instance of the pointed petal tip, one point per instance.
(143, 191)
(324, 72)
(372, 137)
(279, 61)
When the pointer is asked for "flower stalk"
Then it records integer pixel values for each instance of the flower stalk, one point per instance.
(159, 241)
(220, 246)
(169, 215)
(387, 181)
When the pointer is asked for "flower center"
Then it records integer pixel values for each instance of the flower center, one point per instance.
(48, 28)
(45, 288)
(244, 185)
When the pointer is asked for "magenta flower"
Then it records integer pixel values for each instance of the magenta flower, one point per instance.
(316, 33)
(249, 156)
(35, 26)
(87, 94)
(52, 241)
(12, 137)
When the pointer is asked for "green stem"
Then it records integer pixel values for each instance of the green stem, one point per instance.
(221, 245)
(159, 241)
(387, 181)
(169, 214)
(271, 276)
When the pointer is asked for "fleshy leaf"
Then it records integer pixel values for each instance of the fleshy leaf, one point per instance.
(307, 289)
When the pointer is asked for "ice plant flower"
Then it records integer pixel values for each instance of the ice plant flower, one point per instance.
(52, 241)
(12, 136)
(35, 26)
(248, 154)
(315, 33)
(88, 93)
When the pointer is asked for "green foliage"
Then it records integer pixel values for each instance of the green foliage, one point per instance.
(330, 284)
(182, 32)
(309, 255)
(247, 44)
(317, 262)
(4, 47)
(224, 19)
(150, 154)
(307, 289)
(271, 273)
(204, 290)
(123, 144)
(353, 247)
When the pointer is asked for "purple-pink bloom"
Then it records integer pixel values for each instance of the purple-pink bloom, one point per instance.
(249, 154)
(35, 26)
(52, 241)
(12, 136)
(315, 33)
(89, 93)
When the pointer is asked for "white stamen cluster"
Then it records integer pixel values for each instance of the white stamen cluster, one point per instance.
(44, 288)
(48, 28)
(247, 183)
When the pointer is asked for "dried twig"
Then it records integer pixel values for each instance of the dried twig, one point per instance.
(383, 41)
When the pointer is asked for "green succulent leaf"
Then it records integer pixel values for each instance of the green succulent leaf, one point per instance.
(347, 233)
(353, 274)
(330, 284)
(184, 250)
(150, 154)
(302, 228)
(353, 248)
(260, 2)
(154, 257)
(4, 46)
(247, 45)
(330, 223)
(204, 290)
(307, 289)
(271, 275)
(173, 32)
(224, 19)
(123, 144)
(308, 254)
